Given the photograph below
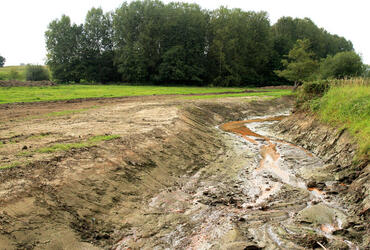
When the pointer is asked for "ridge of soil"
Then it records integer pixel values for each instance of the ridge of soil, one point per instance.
(16, 83)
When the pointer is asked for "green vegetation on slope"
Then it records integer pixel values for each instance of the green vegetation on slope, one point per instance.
(67, 92)
(345, 104)
(24, 72)
(13, 73)
(84, 144)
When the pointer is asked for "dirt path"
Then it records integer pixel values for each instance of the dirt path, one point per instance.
(156, 173)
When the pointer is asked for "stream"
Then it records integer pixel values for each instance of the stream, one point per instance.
(257, 195)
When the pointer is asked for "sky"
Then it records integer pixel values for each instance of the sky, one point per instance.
(24, 22)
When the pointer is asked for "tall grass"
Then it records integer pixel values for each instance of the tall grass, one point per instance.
(346, 104)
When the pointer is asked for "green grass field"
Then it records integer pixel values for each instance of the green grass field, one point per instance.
(67, 92)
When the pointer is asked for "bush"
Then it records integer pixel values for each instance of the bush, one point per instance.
(342, 65)
(310, 91)
(36, 73)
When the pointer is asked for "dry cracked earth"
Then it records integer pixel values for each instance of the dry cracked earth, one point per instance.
(161, 173)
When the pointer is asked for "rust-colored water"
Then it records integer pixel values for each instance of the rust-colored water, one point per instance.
(316, 191)
(268, 149)
(269, 153)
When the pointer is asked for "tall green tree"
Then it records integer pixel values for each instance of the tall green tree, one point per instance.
(97, 47)
(64, 49)
(300, 64)
(183, 57)
(240, 47)
(2, 61)
(138, 37)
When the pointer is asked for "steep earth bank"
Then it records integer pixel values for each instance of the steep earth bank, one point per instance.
(338, 151)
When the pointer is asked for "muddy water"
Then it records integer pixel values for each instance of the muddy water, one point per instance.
(255, 196)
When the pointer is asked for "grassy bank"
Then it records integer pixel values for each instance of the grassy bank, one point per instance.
(344, 104)
(13, 73)
(67, 92)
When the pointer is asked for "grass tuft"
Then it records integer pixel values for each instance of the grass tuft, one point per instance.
(11, 165)
(92, 141)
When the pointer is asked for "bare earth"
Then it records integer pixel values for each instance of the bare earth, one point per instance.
(172, 179)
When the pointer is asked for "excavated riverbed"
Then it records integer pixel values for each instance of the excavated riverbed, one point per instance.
(258, 197)
(203, 174)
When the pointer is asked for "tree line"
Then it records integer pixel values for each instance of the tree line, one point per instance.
(152, 42)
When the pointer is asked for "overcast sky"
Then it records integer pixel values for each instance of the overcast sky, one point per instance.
(23, 22)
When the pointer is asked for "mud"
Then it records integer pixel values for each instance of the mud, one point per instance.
(173, 179)
(349, 174)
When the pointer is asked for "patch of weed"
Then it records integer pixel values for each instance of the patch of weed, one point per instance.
(63, 147)
(92, 141)
(11, 165)
(100, 138)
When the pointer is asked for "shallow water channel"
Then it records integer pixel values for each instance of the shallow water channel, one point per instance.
(257, 195)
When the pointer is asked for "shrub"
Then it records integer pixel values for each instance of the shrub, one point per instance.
(36, 73)
(310, 91)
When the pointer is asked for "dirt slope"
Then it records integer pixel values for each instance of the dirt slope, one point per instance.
(80, 198)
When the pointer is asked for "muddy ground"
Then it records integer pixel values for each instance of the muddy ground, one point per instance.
(162, 175)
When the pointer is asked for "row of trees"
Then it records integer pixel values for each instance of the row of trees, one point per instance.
(149, 41)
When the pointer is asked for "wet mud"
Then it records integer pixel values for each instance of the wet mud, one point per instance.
(256, 198)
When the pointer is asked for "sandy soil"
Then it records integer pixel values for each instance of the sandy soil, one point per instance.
(171, 179)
